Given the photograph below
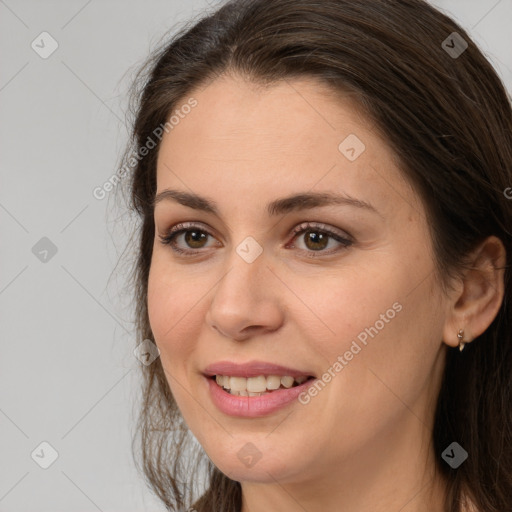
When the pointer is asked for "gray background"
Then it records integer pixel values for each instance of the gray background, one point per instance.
(68, 375)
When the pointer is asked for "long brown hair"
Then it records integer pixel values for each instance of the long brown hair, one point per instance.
(448, 118)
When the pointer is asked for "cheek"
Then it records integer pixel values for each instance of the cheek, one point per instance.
(161, 307)
(171, 311)
(376, 320)
(343, 304)
(173, 315)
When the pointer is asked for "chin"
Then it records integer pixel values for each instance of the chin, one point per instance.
(248, 463)
(261, 472)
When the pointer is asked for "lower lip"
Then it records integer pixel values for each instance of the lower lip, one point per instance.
(254, 406)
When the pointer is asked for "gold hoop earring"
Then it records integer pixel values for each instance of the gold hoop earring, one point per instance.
(460, 336)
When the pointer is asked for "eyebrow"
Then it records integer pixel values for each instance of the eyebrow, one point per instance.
(296, 202)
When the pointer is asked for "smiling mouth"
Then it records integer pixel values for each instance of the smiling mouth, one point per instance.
(257, 386)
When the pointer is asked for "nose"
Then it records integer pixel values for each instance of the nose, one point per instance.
(246, 301)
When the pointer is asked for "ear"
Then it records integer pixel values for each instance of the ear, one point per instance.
(479, 293)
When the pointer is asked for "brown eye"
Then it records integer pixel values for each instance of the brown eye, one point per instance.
(195, 239)
(316, 239)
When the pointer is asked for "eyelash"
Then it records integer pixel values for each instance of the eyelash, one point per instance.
(306, 226)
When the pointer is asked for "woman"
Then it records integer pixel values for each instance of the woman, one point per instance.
(324, 262)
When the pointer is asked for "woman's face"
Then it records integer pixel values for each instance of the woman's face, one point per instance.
(350, 299)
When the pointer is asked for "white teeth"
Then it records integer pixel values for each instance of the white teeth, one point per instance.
(255, 386)
(287, 381)
(273, 382)
(247, 393)
(238, 383)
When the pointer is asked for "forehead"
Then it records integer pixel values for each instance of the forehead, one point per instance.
(293, 135)
(288, 116)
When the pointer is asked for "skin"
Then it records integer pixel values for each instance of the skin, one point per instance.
(364, 442)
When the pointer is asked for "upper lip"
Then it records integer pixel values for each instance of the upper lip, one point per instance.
(251, 369)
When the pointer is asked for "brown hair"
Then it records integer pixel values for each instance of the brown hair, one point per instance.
(448, 119)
